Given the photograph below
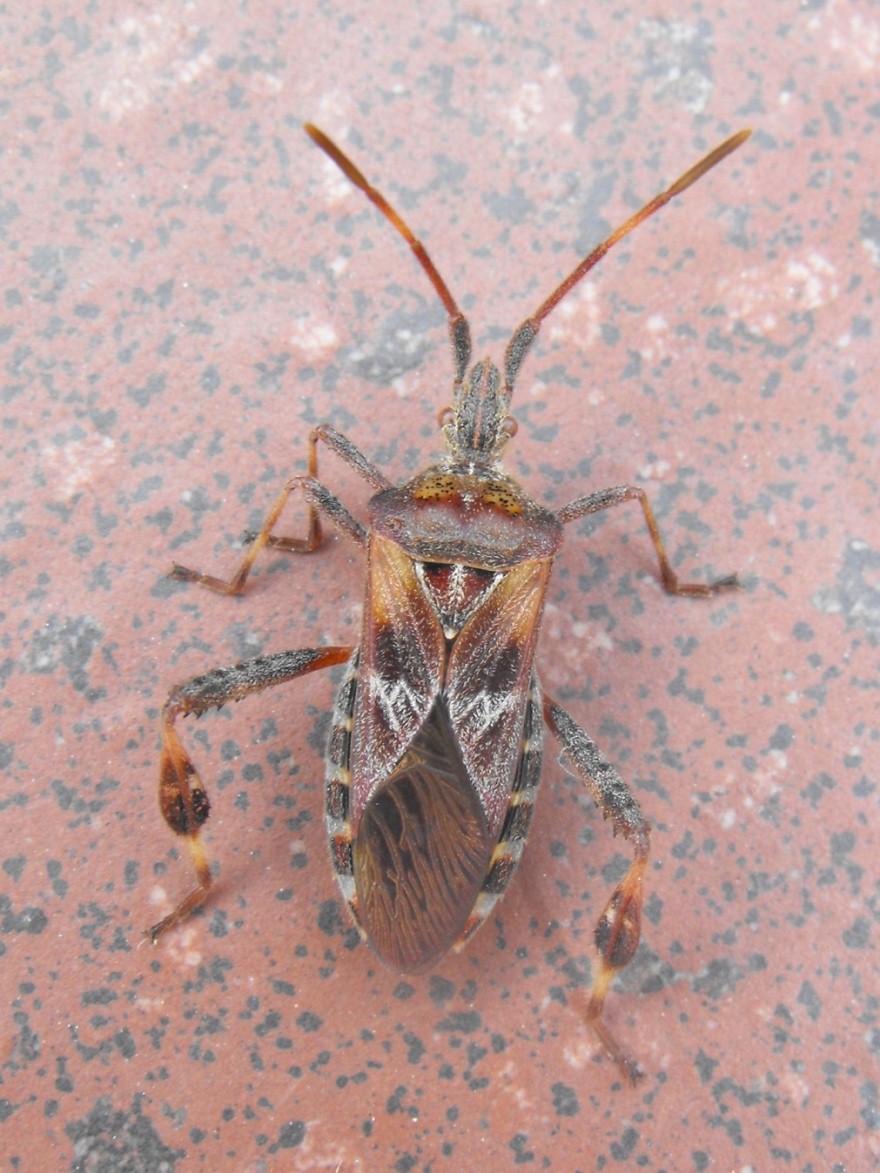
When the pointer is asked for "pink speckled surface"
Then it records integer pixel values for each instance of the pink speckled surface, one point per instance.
(187, 288)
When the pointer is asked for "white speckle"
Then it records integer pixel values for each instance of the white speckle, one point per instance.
(592, 637)
(338, 187)
(149, 58)
(873, 250)
(72, 466)
(338, 266)
(524, 111)
(314, 340)
(177, 941)
(578, 317)
(860, 42)
(150, 1005)
(728, 819)
(798, 1088)
(265, 83)
(660, 341)
(580, 1050)
(655, 471)
(158, 896)
(812, 282)
(757, 294)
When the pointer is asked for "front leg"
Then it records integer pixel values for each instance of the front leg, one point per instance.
(182, 797)
(620, 925)
(606, 498)
(320, 501)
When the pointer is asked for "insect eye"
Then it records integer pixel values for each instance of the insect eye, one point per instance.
(445, 417)
(509, 427)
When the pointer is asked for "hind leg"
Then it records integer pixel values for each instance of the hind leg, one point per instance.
(619, 928)
(182, 797)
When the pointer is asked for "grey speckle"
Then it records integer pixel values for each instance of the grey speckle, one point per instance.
(855, 594)
(401, 346)
(111, 1139)
(677, 59)
(68, 643)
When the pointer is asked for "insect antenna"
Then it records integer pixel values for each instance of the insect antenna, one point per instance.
(525, 334)
(458, 327)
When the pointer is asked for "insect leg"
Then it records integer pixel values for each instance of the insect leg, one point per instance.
(354, 458)
(320, 501)
(619, 927)
(182, 796)
(605, 498)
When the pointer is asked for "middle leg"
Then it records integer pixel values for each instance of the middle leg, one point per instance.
(606, 498)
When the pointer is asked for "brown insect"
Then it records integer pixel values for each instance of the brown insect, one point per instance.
(435, 752)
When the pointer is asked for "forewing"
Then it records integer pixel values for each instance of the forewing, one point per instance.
(400, 669)
(487, 682)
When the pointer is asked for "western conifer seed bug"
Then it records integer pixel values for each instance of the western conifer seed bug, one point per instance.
(434, 757)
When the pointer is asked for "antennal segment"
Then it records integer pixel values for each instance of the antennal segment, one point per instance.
(526, 333)
(458, 328)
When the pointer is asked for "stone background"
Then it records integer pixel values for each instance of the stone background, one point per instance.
(187, 287)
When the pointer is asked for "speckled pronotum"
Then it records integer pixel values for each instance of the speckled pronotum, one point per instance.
(435, 750)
